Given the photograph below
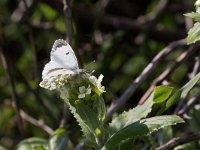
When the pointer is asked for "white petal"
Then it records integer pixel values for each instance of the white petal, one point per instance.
(82, 89)
(88, 91)
(100, 78)
(81, 96)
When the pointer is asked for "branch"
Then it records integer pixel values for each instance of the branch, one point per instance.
(179, 141)
(20, 12)
(37, 96)
(38, 123)
(16, 103)
(149, 68)
(182, 57)
(189, 104)
(86, 15)
(68, 19)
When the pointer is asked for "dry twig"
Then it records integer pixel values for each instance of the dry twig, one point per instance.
(182, 57)
(16, 103)
(39, 123)
(179, 141)
(149, 68)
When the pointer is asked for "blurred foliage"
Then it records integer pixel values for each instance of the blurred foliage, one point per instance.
(120, 51)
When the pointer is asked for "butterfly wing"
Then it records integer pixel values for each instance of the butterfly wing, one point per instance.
(63, 60)
(63, 55)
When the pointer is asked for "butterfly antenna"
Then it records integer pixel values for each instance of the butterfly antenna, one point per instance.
(89, 64)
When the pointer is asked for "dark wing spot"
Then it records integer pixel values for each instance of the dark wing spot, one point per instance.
(67, 53)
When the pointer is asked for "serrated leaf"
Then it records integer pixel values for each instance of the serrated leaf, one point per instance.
(29, 143)
(194, 34)
(160, 94)
(59, 140)
(93, 118)
(193, 15)
(84, 127)
(142, 127)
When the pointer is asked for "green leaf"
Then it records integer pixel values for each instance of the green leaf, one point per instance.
(126, 144)
(59, 140)
(193, 15)
(29, 143)
(48, 12)
(39, 148)
(194, 34)
(142, 127)
(159, 95)
(187, 146)
(99, 106)
(84, 127)
(182, 92)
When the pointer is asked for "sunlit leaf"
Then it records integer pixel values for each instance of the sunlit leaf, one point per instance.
(159, 95)
(142, 127)
(194, 34)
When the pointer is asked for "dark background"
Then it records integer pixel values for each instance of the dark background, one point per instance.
(122, 36)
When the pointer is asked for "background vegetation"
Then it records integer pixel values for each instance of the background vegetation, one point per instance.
(124, 38)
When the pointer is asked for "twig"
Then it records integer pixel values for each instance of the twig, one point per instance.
(88, 16)
(149, 68)
(189, 104)
(16, 103)
(182, 102)
(196, 68)
(67, 13)
(151, 18)
(37, 96)
(179, 141)
(21, 11)
(38, 123)
(69, 34)
(194, 99)
(182, 57)
(65, 116)
(81, 145)
(34, 55)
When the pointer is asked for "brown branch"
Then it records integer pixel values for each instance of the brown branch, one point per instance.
(179, 141)
(37, 96)
(86, 15)
(115, 105)
(182, 57)
(68, 19)
(38, 123)
(65, 116)
(153, 16)
(189, 104)
(21, 11)
(16, 103)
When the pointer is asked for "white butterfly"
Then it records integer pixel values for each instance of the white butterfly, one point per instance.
(63, 62)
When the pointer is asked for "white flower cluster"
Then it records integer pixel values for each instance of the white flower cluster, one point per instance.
(75, 86)
(55, 82)
(197, 4)
(97, 83)
(84, 91)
